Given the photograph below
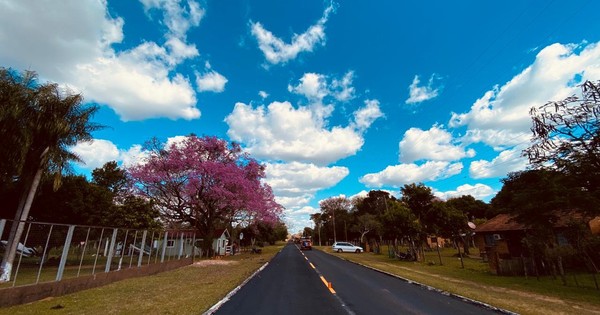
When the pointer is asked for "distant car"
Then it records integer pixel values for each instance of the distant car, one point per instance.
(21, 249)
(346, 247)
(306, 244)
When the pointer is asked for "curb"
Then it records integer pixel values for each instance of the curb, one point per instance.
(430, 288)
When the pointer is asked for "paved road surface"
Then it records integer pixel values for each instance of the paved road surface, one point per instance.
(290, 285)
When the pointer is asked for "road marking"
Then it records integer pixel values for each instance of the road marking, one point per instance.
(328, 285)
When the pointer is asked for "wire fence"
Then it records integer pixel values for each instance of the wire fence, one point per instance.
(49, 252)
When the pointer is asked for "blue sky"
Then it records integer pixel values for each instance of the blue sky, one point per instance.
(336, 98)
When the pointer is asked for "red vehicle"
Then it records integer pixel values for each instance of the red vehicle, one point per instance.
(305, 244)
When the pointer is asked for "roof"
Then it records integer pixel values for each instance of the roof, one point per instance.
(507, 222)
(220, 232)
(501, 222)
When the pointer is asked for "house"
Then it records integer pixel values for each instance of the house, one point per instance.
(500, 240)
(178, 243)
(220, 243)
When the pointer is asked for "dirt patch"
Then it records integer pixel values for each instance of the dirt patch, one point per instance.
(213, 262)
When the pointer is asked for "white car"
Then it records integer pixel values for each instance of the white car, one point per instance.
(346, 247)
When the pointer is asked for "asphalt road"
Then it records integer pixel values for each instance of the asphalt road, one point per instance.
(290, 285)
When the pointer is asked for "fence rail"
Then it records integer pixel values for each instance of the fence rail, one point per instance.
(49, 252)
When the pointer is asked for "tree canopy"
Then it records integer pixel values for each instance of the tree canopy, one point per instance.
(204, 181)
(566, 138)
(39, 123)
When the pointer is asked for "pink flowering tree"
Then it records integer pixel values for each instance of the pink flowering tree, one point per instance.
(206, 182)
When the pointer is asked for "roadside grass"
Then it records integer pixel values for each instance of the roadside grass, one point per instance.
(525, 296)
(188, 290)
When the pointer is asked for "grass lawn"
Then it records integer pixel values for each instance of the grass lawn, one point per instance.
(517, 294)
(188, 290)
(194, 289)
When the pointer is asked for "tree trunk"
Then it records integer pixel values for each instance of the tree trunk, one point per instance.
(18, 225)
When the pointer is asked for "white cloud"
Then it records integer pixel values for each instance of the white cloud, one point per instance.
(97, 152)
(316, 88)
(433, 144)
(507, 161)
(263, 94)
(295, 184)
(313, 86)
(364, 117)
(398, 175)
(178, 18)
(211, 81)
(71, 43)
(300, 179)
(418, 94)
(342, 88)
(478, 191)
(281, 132)
(277, 51)
(500, 118)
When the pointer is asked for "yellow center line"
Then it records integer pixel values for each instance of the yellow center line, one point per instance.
(328, 285)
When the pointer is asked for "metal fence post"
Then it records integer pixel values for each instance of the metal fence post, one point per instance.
(181, 246)
(142, 245)
(164, 248)
(194, 246)
(111, 251)
(65, 253)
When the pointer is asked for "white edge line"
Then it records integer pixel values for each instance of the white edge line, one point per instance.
(457, 296)
(216, 307)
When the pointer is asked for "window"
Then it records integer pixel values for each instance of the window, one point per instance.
(171, 243)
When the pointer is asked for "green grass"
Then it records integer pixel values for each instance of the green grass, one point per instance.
(29, 267)
(187, 290)
(525, 296)
(193, 289)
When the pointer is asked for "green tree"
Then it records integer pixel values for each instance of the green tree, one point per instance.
(336, 207)
(399, 222)
(566, 138)
(534, 197)
(46, 121)
(473, 208)
(111, 177)
(365, 224)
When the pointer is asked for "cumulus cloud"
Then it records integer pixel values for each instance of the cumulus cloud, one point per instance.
(319, 89)
(297, 179)
(72, 43)
(418, 94)
(342, 88)
(507, 161)
(282, 132)
(211, 81)
(277, 51)
(313, 86)
(478, 191)
(364, 117)
(500, 118)
(295, 184)
(97, 152)
(434, 144)
(263, 94)
(178, 16)
(398, 175)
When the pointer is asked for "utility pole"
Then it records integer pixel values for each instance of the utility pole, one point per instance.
(319, 227)
(333, 216)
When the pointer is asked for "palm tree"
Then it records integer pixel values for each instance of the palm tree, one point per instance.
(55, 120)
